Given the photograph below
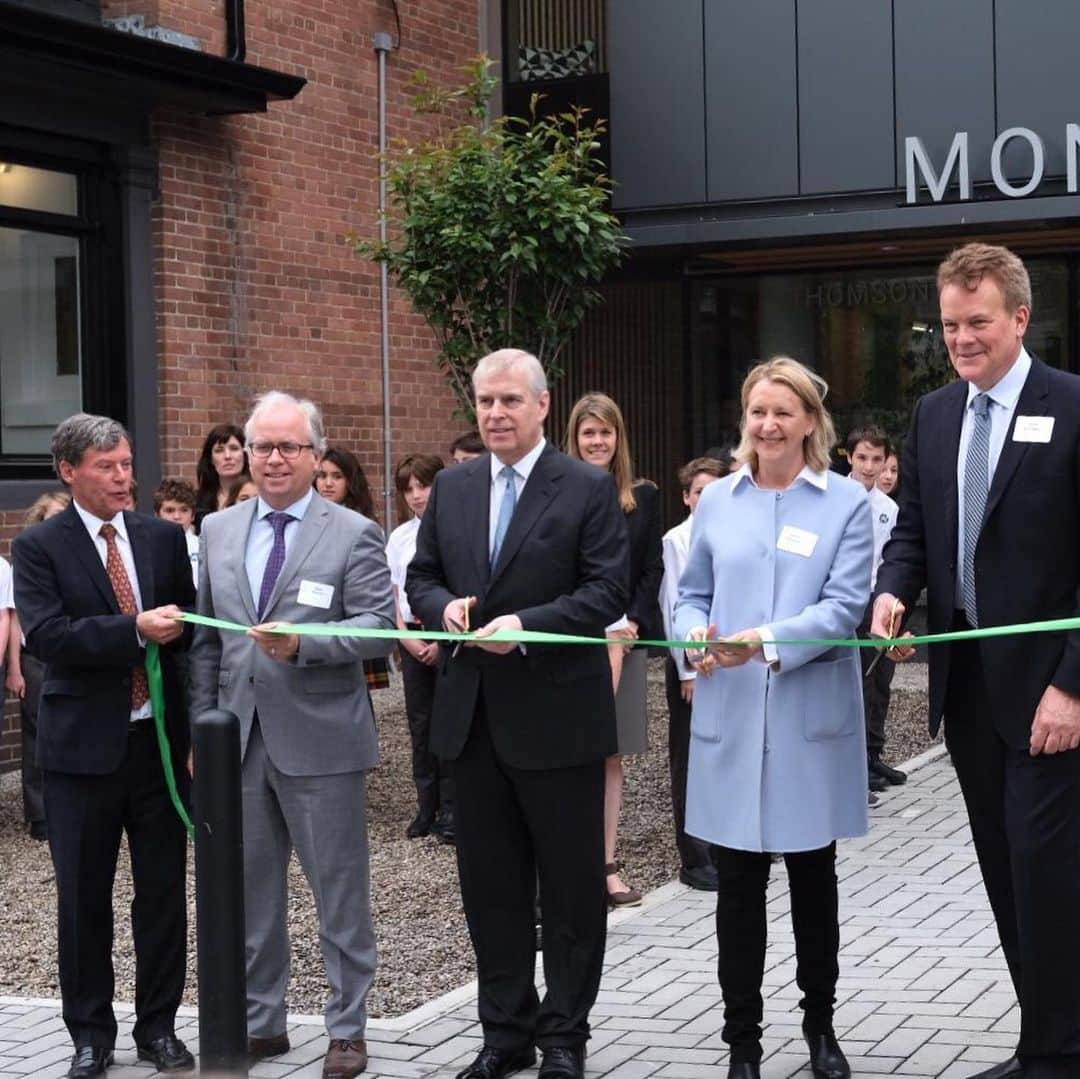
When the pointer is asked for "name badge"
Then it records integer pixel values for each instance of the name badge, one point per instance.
(1033, 428)
(315, 594)
(797, 541)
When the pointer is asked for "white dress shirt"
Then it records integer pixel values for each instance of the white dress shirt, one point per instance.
(1003, 395)
(123, 545)
(676, 545)
(7, 591)
(260, 541)
(522, 471)
(400, 549)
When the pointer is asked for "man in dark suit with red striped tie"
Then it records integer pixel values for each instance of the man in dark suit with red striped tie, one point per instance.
(93, 585)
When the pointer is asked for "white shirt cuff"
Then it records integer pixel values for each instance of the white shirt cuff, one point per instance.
(769, 653)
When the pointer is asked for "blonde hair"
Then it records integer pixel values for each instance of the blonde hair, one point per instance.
(599, 406)
(969, 264)
(36, 513)
(810, 388)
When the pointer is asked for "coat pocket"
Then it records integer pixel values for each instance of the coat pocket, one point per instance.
(832, 705)
(64, 687)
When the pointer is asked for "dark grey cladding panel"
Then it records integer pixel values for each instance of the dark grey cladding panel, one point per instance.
(1038, 78)
(846, 130)
(945, 79)
(655, 53)
(751, 106)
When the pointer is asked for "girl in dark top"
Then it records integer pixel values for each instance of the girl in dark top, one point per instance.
(223, 466)
(341, 479)
(596, 433)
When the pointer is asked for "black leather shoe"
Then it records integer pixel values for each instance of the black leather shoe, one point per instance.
(893, 776)
(443, 829)
(827, 1061)
(701, 878)
(745, 1069)
(1009, 1069)
(876, 783)
(89, 1060)
(563, 1062)
(492, 1063)
(421, 825)
(168, 1054)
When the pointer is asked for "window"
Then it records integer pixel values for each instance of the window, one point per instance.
(55, 311)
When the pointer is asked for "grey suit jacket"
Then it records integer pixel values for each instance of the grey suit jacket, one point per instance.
(314, 713)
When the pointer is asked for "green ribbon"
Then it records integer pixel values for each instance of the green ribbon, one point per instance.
(528, 636)
(531, 636)
(157, 702)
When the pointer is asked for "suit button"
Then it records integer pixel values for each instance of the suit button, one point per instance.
(251, 679)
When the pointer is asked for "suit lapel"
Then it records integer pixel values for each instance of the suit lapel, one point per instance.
(478, 507)
(144, 562)
(947, 457)
(1033, 401)
(85, 550)
(538, 492)
(308, 532)
(245, 523)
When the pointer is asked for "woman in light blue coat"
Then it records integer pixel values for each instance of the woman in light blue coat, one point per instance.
(780, 551)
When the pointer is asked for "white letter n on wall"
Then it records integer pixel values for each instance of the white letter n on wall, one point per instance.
(915, 156)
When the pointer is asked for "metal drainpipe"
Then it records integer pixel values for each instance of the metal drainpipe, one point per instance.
(236, 38)
(383, 44)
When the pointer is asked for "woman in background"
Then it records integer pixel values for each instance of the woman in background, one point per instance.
(596, 433)
(222, 467)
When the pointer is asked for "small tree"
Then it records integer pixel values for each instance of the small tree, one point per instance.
(500, 228)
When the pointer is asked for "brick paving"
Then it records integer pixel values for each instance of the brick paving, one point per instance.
(923, 987)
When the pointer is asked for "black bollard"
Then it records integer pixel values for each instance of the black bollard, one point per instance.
(219, 895)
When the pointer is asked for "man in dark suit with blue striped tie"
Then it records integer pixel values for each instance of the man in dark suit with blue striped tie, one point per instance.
(524, 536)
(990, 524)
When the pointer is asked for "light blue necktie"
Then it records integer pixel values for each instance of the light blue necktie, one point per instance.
(506, 511)
(976, 487)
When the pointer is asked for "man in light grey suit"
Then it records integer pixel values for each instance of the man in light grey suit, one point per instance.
(306, 728)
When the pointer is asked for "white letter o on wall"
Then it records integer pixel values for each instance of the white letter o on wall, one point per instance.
(1038, 159)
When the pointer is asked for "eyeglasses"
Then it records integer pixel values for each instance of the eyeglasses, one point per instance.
(289, 450)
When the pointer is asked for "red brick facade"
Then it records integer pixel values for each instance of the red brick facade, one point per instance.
(254, 284)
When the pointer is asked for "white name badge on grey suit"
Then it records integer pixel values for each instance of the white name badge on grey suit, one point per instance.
(797, 541)
(315, 594)
(1033, 428)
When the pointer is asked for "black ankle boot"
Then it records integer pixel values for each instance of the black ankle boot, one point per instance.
(827, 1060)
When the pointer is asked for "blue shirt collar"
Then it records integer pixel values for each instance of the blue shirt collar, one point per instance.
(1006, 391)
(297, 509)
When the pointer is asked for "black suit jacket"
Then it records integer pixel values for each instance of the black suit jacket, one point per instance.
(1027, 562)
(73, 624)
(646, 561)
(563, 568)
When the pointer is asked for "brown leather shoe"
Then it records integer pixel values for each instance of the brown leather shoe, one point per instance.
(261, 1048)
(629, 897)
(346, 1058)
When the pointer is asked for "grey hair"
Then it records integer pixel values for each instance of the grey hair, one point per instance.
(512, 359)
(276, 399)
(83, 432)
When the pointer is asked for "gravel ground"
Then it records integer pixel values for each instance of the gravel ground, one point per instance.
(423, 945)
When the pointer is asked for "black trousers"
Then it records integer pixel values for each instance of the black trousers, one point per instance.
(513, 827)
(741, 939)
(877, 689)
(693, 852)
(32, 794)
(433, 778)
(1025, 821)
(86, 815)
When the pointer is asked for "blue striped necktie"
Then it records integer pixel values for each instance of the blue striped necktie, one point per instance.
(506, 511)
(976, 487)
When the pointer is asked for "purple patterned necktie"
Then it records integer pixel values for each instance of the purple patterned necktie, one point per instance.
(276, 559)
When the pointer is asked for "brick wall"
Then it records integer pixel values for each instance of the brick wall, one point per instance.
(255, 287)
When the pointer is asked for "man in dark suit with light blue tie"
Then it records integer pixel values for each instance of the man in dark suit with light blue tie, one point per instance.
(990, 524)
(525, 537)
